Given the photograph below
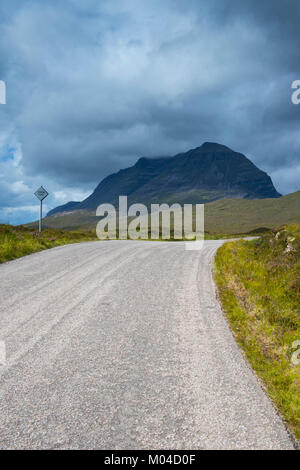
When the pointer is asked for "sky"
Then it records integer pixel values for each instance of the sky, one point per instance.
(94, 85)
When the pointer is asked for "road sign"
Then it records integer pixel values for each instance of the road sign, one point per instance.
(41, 193)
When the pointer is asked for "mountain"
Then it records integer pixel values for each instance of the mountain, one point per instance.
(201, 175)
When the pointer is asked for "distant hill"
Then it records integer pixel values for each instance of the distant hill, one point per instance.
(201, 175)
(242, 216)
(225, 216)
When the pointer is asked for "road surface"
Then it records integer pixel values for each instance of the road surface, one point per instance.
(123, 345)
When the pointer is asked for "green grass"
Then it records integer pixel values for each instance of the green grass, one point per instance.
(20, 241)
(259, 287)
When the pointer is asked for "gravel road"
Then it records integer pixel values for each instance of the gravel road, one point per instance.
(123, 345)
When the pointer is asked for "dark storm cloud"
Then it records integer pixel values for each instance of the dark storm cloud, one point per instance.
(94, 85)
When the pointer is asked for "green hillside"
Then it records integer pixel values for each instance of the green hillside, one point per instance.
(76, 220)
(244, 215)
(227, 216)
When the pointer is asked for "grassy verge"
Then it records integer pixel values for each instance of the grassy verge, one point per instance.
(259, 287)
(20, 241)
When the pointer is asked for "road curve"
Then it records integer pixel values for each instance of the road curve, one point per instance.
(123, 345)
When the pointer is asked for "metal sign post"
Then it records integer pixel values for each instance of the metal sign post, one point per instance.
(41, 194)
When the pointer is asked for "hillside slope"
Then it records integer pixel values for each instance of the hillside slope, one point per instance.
(231, 216)
(241, 216)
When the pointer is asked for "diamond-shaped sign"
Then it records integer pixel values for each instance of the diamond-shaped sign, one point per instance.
(41, 193)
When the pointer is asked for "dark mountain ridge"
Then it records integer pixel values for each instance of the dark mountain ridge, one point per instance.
(201, 175)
